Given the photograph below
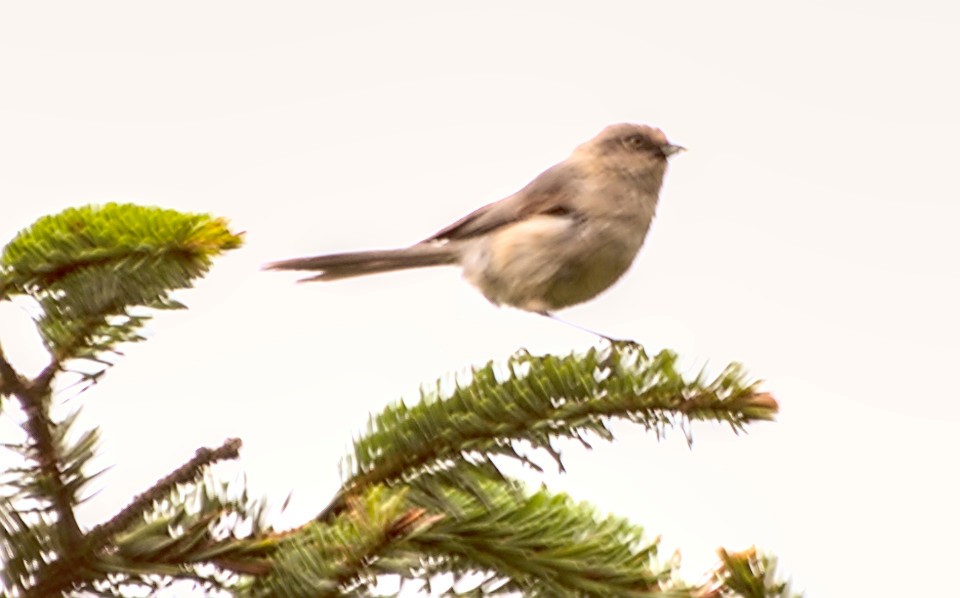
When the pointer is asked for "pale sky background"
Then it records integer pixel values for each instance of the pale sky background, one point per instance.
(810, 233)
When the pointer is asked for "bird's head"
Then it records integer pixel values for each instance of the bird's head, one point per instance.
(627, 141)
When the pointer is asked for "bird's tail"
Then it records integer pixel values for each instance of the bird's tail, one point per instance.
(359, 263)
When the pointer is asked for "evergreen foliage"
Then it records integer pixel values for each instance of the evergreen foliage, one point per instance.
(423, 493)
(90, 268)
(541, 399)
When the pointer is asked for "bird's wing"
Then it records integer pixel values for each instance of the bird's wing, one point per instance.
(549, 193)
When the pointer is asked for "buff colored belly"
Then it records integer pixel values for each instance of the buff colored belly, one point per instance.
(548, 262)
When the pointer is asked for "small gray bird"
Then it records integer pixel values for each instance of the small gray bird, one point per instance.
(561, 240)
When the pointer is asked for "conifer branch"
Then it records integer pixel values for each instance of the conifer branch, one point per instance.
(63, 574)
(34, 400)
(543, 544)
(391, 532)
(93, 269)
(333, 559)
(191, 471)
(538, 400)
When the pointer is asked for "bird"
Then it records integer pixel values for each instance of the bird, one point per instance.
(565, 237)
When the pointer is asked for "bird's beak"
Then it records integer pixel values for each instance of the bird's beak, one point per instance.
(669, 149)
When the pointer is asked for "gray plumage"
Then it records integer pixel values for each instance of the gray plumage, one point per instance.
(561, 240)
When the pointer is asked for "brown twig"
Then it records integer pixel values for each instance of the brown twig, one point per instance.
(188, 472)
(61, 574)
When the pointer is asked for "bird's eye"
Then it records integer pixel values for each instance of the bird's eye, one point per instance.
(638, 142)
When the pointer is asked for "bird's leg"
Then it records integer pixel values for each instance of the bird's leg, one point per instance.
(609, 339)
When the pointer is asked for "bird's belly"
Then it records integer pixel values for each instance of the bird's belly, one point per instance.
(547, 262)
(583, 277)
